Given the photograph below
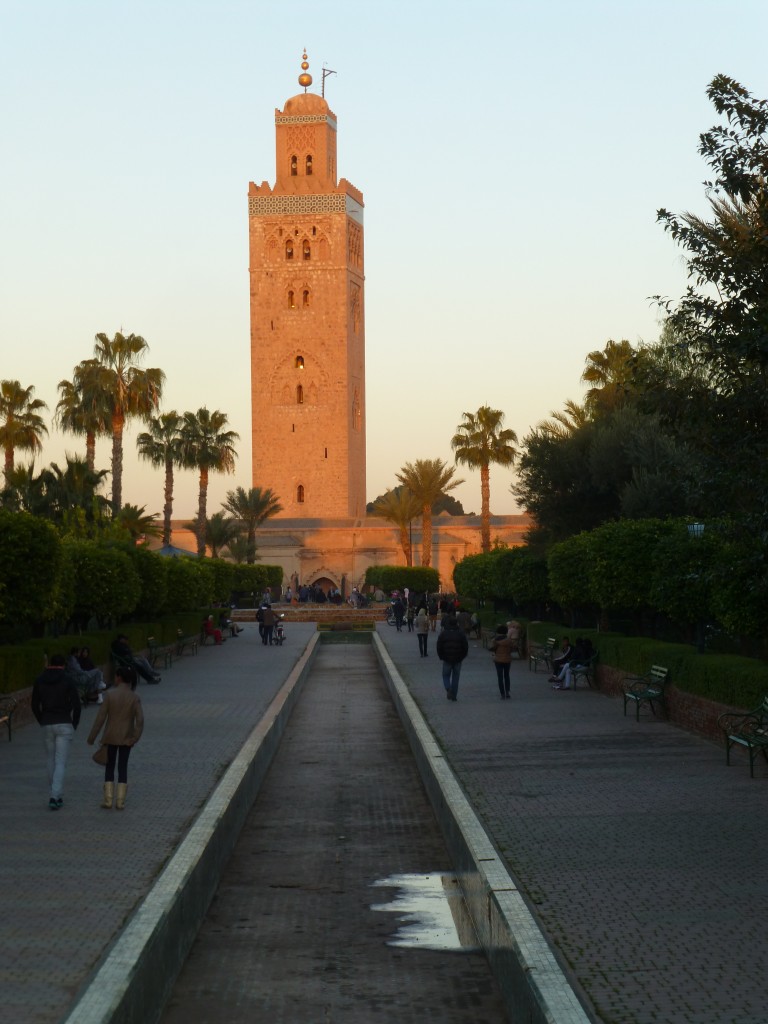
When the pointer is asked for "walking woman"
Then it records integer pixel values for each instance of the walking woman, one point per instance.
(422, 631)
(501, 648)
(124, 719)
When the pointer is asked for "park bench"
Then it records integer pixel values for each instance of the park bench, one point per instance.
(585, 671)
(541, 654)
(648, 689)
(157, 652)
(183, 642)
(7, 708)
(748, 730)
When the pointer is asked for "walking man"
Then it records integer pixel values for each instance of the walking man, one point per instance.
(452, 649)
(56, 706)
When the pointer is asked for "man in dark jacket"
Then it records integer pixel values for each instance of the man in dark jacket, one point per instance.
(56, 706)
(452, 649)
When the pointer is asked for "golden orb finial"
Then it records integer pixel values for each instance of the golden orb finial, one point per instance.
(305, 79)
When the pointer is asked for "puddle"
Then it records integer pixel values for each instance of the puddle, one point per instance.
(431, 913)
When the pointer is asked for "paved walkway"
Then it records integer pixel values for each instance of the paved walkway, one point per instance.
(639, 851)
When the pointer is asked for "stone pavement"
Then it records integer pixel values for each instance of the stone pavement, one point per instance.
(640, 853)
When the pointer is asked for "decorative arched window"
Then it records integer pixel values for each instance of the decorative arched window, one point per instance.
(309, 164)
(305, 249)
(299, 395)
(294, 166)
(289, 249)
(305, 298)
(300, 493)
(291, 303)
(299, 364)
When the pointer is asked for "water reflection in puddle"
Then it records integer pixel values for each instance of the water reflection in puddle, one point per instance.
(431, 912)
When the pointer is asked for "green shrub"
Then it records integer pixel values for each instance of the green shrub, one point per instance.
(30, 564)
(419, 579)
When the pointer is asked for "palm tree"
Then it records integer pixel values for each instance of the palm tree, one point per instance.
(220, 532)
(131, 392)
(610, 373)
(21, 425)
(427, 479)
(238, 548)
(207, 446)
(565, 423)
(479, 441)
(399, 506)
(137, 523)
(73, 488)
(23, 491)
(161, 445)
(252, 508)
(83, 407)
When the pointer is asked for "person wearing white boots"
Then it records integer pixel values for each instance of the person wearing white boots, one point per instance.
(124, 718)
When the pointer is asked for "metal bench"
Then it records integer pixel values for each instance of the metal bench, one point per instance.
(648, 689)
(541, 654)
(156, 652)
(7, 708)
(584, 671)
(748, 730)
(186, 641)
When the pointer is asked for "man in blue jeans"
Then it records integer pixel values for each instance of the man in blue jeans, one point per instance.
(56, 706)
(452, 649)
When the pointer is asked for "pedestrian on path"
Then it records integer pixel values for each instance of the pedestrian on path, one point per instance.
(124, 719)
(501, 648)
(452, 649)
(422, 631)
(55, 704)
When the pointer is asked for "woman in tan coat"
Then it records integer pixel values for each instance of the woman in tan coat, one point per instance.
(122, 712)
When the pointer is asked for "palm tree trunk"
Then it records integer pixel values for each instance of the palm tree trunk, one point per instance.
(117, 463)
(90, 450)
(426, 536)
(405, 543)
(485, 507)
(8, 461)
(202, 511)
(251, 556)
(168, 506)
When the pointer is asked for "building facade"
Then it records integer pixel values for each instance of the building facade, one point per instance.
(308, 321)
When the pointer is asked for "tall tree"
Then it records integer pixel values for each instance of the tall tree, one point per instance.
(74, 489)
(480, 440)
(611, 373)
(162, 446)
(220, 532)
(83, 407)
(399, 506)
(132, 393)
(208, 447)
(21, 425)
(565, 421)
(251, 508)
(427, 479)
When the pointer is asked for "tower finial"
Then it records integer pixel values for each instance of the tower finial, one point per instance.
(305, 78)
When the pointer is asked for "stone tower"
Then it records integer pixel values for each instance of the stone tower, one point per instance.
(307, 321)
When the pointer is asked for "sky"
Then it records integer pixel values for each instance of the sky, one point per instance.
(512, 156)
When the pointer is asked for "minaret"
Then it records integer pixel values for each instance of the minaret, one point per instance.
(307, 320)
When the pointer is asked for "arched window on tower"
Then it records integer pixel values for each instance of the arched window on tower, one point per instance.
(305, 298)
(289, 250)
(299, 395)
(294, 166)
(291, 303)
(299, 362)
(309, 164)
(300, 494)
(305, 249)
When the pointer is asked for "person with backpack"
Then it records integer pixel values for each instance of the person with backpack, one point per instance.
(452, 649)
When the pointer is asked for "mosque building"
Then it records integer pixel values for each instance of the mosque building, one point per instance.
(308, 397)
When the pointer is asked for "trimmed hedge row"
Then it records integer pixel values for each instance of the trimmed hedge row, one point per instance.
(729, 679)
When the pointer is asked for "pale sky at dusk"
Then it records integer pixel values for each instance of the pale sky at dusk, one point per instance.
(512, 157)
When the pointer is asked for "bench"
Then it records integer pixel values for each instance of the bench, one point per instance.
(648, 689)
(156, 652)
(186, 641)
(7, 708)
(585, 671)
(748, 730)
(541, 654)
